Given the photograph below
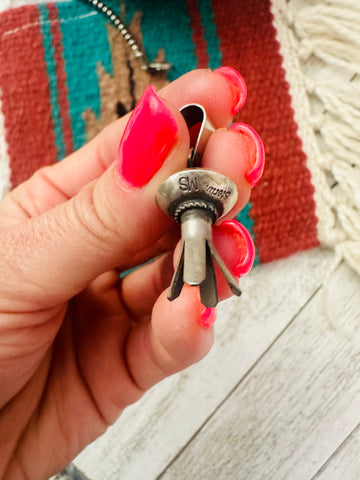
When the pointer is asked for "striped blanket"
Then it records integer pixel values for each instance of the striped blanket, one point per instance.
(65, 73)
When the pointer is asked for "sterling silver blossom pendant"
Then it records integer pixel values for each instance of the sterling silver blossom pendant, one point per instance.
(197, 198)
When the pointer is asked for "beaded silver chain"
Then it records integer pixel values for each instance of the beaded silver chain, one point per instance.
(116, 21)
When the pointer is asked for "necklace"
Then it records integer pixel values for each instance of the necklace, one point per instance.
(139, 52)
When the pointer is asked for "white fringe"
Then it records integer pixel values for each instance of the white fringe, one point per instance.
(320, 44)
(344, 102)
(330, 32)
(354, 5)
(341, 140)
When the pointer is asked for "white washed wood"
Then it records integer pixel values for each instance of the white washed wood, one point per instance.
(344, 464)
(150, 433)
(297, 405)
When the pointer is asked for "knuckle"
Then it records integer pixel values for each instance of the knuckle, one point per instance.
(95, 226)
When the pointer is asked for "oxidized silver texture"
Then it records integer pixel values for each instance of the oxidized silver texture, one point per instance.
(197, 184)
(197, 198)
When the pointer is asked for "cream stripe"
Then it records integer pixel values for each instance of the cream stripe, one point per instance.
(4, 158)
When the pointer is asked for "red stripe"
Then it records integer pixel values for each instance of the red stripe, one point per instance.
(198, 34)
(25, 93)
(283, 207)
(61, 78)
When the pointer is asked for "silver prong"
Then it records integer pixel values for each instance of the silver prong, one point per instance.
(177, 281)
(233, 284)
(208, 289)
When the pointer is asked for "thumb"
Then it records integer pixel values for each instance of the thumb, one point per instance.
(112, 222)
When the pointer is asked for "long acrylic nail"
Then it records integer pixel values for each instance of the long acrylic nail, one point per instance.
(207, 317)
(240, 247)
(256, 151)
(237, 85)
(150, 134)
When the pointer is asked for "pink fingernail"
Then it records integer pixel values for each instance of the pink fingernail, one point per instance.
(240, 246)
(150, 134)
(237, 85)
(207, 317)
(257, 158)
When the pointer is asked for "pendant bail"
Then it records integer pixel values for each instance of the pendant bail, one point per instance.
(200, 129)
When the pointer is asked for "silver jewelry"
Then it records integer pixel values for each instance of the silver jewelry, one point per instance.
(116, 21)
(197, 198)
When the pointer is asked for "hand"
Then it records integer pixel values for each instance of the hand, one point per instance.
(77, 345)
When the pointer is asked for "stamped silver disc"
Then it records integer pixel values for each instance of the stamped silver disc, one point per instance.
(200, 184)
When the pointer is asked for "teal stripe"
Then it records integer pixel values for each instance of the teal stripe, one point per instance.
(244, 218)
(213, 44)
(114, 5)
(51, 72)
(82, 53)
(166, 24)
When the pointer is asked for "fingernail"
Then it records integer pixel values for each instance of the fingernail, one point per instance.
(256, 150)
(237, 85)
(207, 317)
(240, 249)
(149, 136)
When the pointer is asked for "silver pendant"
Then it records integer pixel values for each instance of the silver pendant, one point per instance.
(197, 198)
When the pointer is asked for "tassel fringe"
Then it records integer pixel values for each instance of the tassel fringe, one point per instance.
(320, 44)
(330, 32)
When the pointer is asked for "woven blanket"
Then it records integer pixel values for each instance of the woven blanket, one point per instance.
(65, 73)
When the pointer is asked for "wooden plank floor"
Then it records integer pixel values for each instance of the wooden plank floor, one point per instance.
(277, 398)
